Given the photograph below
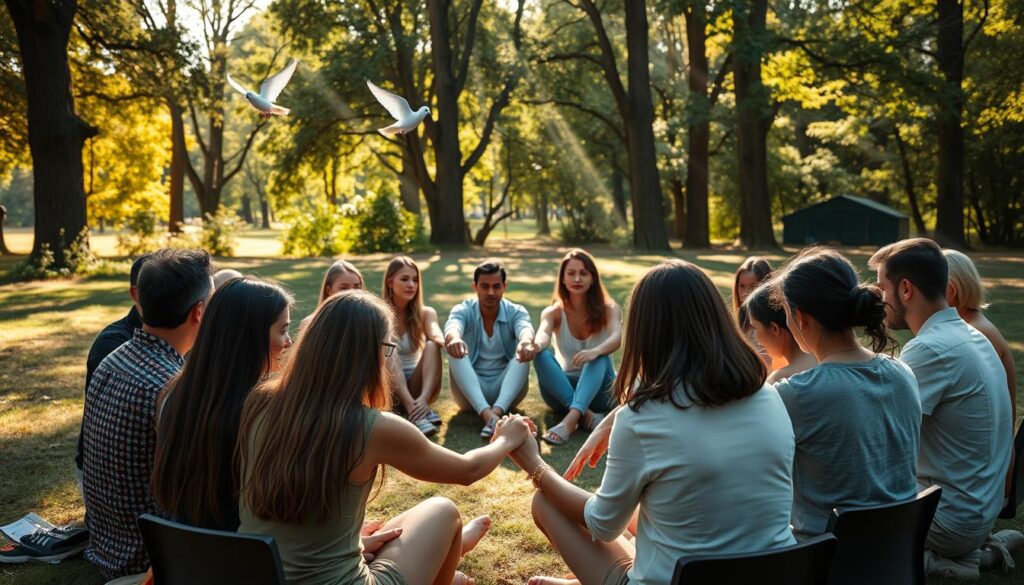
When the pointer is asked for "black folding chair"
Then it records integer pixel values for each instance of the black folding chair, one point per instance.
(1017, 480)
(183, 555)
(883, 545)
(806, 563)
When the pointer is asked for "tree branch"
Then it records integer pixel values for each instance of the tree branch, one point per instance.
(196, 128)
(587, 110)
(467, 49)
(492, 118)
(716, 85)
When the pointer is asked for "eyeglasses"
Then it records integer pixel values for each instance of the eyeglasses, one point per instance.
(389, 348)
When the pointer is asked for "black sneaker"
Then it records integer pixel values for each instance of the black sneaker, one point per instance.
(11, 553)
(53, 546)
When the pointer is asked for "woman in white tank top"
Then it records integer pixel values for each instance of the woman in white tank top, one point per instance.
(416, 366)
(586, 327)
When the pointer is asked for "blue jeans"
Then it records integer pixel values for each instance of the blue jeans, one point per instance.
(590, 389)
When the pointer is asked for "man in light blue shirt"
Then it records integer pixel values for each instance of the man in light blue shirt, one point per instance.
(490, 344)
(966, 428)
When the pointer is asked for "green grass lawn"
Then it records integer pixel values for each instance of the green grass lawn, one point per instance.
(46, 329)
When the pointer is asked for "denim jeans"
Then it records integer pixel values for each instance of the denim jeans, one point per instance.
(590, 389)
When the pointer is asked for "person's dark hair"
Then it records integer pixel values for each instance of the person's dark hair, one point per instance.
(171, 282)
(679, 333)
(761, 306)
(820, 282)
(197, 428)
(133, 275)
(918, 260)
(488, 267)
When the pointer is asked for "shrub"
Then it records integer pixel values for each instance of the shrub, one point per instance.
(374, 223)
(383, 226)
(315, 231)
(585, 221)
(138, 235)
(219, 235)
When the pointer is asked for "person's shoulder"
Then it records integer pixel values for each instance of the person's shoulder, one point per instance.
(552, 311)
(429, 311)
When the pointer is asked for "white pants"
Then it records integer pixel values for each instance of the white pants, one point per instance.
(479, 390)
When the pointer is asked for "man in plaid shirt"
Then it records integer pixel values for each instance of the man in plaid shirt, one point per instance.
(118, 430)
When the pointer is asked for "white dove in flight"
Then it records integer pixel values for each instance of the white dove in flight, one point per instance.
(269, 90)
(399, 109)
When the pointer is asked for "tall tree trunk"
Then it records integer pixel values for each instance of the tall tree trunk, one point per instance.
(447, 222)
(176, 180)
(753, 120)
(247, 209)
(697, 229)
(543, 225)
(55, 132)
(908, 182)
(679, 207)
(4, 250)
(407, 186)
(645, 185)
(949, 220)
(619, 192)
(264, 212)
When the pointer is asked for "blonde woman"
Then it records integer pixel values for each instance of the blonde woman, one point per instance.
(313, 440)
(416, 365)
(966, 294)
(341, 275)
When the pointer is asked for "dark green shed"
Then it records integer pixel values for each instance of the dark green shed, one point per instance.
(847, 220)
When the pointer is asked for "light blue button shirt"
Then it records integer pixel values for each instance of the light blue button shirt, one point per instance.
(466, 320)
(967, 431)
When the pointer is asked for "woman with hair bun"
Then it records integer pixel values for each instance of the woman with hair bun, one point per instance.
(856, 415)
(767, 318)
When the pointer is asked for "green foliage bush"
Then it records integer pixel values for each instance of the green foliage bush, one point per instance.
(79, 259)
(139, 233)
(586, 220)
(375, 223)
(216, 233)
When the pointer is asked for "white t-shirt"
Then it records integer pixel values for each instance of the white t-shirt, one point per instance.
(966, 430)
(707, 480)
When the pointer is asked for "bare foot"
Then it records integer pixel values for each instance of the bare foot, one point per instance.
(473, 531)
(552, 581)
(461, 578)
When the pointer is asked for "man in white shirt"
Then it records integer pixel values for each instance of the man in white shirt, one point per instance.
(966, 428)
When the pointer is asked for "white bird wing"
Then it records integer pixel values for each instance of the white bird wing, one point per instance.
(237, 86)
(396, 105)
(274, 85)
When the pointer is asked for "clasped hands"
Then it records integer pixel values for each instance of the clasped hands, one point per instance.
(521, 431)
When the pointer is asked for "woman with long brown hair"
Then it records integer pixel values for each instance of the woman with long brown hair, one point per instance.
(313, 439)
(700, 445)
(416, 365)
(585, 325)
(749, 275)
(240, 341)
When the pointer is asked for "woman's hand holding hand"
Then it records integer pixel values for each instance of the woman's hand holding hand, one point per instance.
(513, 428)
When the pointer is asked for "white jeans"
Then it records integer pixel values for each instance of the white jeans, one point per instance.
(479, 390)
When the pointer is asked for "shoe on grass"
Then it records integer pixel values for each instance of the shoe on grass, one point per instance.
(53, 546)
(426, 427)
(488, 431)
(13, 553)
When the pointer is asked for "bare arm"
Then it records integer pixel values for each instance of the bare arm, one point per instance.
(398, 443)
(548, 324)
(431, 327)
(614, 341)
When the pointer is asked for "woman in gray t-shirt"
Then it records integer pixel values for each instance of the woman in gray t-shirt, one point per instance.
(857, 414)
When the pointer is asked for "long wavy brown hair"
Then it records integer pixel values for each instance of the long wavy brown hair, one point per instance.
(200, 408)
(762, 270)
(679, 333)
(304, 432)
(596, 313)
(413, 317)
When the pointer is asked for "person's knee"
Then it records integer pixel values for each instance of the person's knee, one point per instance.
(540, 507)
(445, 511)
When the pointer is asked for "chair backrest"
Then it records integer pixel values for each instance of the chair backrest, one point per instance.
(1017, 479)
(806, 563)
(183, 555)
(883, 544)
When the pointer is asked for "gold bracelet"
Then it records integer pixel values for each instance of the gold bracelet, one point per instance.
(538, 473)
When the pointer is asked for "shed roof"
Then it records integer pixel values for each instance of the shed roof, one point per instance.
(859, 200)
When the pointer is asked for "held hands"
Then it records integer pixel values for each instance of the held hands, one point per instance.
(584, 357)
(513, 428)
(372, 540)
(526, 351)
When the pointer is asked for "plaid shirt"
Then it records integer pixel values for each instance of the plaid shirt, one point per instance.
(119, 437)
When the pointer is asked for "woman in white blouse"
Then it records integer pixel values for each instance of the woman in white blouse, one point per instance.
(700, 448)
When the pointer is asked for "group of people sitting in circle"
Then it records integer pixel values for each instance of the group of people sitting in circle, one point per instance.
(725, 431)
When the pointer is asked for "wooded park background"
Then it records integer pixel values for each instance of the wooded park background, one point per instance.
(639, 120)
